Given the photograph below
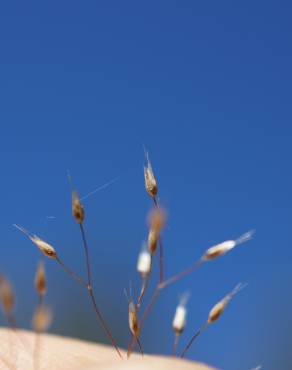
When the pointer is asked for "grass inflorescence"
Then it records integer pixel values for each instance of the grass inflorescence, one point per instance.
(138, 310)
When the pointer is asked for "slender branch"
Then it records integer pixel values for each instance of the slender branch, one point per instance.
(104, 325)
(181, 274)
(86, 251)
(91, 294)
(130, 345)
(143, 291)
(166, 283)
(161, 254)
(163, 285)
(175, 343)
(150, 305)
(72, 273)
(140, 346)
(194, 337)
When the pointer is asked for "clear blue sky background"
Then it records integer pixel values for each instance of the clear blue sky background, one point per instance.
(207, 87)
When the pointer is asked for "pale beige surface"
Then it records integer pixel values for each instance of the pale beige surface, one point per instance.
(16, 352)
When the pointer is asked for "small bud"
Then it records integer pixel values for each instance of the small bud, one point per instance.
(218, 309)
(40, 279)
(156, 223)
(144, 262)
(133, 319)
(44, 247)
(150, 182)
(77, 208)
(224, 247)
(6, 295)
(179, 320)
(42, 319)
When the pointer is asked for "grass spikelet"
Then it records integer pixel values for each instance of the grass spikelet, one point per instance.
(77, 208)
(224, 247)
(40, 281)
(150, 181)
(180, 319)
(47, 249)
(144, 262)
(133, 325)
(156, 221)
(42, 319)
(219, 308)
(7, 298)
(214, 314)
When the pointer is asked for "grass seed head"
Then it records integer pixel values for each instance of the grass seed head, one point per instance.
(6, 295)
(77, 208)
(42, 319)
(180, 317)
(133, 319)
(224, 247)
(219, 249)
(219, 307)
(150, 181)
(157, 219)
(144, 262)
(40, 279)
(43, 246)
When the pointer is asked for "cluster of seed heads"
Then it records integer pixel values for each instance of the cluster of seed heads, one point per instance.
(156, 221)
(42, 317)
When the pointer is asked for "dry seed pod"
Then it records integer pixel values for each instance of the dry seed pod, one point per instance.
(133, 319)
(150, 182)
(144, 262)
(6, 295)
(226, 246)
(43, 246)
(156, 223)
(179, 320)
(42, 319)
(40, 279)
(219, 307)
(77, 208)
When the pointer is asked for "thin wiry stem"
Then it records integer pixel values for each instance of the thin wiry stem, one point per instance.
(181, 274)
(161, 254)
(140, 346)
(149, 306)
(130, 345)
(86, 251)
(72, 273)
(175, 343)
(194, 337)
(163, 285)
(143, 291)
(166, 283)
(91, 294)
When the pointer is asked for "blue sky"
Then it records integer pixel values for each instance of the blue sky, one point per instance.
(207, 88)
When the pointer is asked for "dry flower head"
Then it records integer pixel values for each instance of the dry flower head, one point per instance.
(6, 295)
(42, 319)
(219, 307)
(226, 246)
(133, 319)
(43, 246)
(179, 320)
(157, 220)
(77, 208)
(150, 181)
(144, 262)
(40, 279)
